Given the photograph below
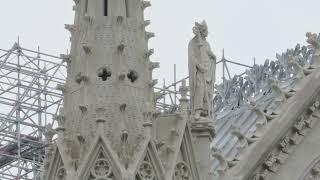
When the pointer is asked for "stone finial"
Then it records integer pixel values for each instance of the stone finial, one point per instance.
(146, 23)
(153, 65)
(244, 141)
(315, 114)
(145, 4)
(70, 27)
(148, 53)
(153, 83)
(66, 58)
(314, 41)
(149, 35)
(299, 126)
(224, 165)
(62, 88)
(278, 92)
(285, 145)
(298, 69)
(315, 106)
(272, 162)
(261, 118)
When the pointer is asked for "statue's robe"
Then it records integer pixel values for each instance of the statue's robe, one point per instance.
(201, 75)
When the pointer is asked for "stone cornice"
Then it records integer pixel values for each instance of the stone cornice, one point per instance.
(280, 136)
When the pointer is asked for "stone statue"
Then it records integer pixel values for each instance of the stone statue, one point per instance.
(314, 40)
(202, 65)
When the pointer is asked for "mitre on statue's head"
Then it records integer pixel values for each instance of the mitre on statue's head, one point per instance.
(201, 28)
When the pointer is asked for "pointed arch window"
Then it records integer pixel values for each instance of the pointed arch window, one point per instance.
(105, 7)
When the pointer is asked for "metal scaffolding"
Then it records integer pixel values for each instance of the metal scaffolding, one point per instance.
(28, 100)
(167, 96)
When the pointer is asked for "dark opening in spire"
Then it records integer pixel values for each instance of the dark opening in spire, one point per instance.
(127, 7)
(104, 73)
(105, 7)
(86, 7)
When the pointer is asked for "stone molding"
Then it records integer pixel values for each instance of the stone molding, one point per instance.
(289, 142)
(313, 171)
(280, 136)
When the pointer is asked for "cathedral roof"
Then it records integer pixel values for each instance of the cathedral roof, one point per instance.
(250, 107)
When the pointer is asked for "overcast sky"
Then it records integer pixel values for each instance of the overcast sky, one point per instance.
(245, 28)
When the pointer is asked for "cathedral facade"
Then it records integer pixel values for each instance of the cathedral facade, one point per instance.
(260, 126)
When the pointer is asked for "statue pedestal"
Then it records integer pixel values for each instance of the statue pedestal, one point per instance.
(203, 132)
(203, 127)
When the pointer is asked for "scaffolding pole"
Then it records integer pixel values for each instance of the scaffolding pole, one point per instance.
(28, 100)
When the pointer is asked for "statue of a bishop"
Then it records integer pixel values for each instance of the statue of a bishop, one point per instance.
(202, 67)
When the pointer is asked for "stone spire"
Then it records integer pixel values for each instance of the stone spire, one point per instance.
(104, 126)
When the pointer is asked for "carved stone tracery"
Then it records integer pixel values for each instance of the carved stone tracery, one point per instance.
(182, 172)
(101, 169)
(146, 171)
(61, 174)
